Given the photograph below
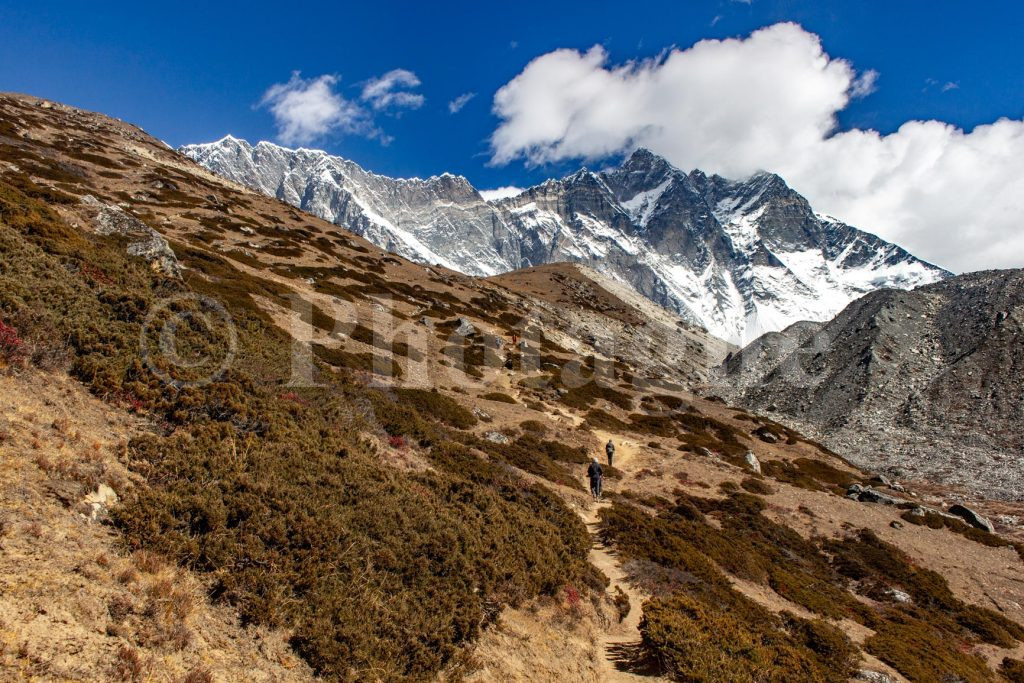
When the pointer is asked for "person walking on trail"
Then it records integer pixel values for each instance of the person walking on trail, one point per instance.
(596, 475)
(609, 449)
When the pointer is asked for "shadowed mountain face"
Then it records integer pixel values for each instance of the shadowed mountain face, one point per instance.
(925, 381)
(737, 257)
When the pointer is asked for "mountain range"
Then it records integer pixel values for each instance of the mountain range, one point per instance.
(738, 257)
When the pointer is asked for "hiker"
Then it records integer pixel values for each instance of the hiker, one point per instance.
(609, 449)
(595, 473)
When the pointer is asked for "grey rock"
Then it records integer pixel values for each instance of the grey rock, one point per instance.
(465, 328)
(149, 244)
(496, 437)
(872, 676)
(752, 462)
(867, 494)
(898, 595)
(972, 517)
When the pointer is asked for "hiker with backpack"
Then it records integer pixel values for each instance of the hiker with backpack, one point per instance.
(596, 475)
(609, 449)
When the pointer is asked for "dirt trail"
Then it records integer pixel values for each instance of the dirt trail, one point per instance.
(620, 642)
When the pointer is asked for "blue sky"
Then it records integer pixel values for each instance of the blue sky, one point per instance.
(194, 72)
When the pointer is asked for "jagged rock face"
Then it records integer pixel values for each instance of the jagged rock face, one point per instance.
(737, 257)
(929, 382)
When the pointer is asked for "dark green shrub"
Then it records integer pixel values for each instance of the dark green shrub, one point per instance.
(585, 397)
(756, 486)
(499, 397)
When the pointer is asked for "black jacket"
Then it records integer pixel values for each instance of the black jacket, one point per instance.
(595, 471)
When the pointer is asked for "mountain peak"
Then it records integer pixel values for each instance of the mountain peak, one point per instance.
(688, 242)
(643, 158)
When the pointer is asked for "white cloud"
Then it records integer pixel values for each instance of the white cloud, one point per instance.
(456, 105)
(306, 109)
(950, 85)
(769, 101)
(389, 91)
(501, 193)
(864, 84)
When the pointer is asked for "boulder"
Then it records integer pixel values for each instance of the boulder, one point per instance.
(496, 437)
(881, 479)
(898, 595)
(866, 494)
(873, 676)
(972, 518)
(465, 328)
(752, 462)
(149, 244)
(100, 501)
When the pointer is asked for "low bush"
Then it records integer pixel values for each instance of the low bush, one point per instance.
(937, 521)
(728, 637)
(12, 346)
(499, 397)
(599, 419)
(586, 396)
(923, 653)
(872, 562)
(279, 502)
(438, 406)
(1012, 670)
(757, 486)
(654, 425)
(532, 455)
(534, 426)
(810, 474)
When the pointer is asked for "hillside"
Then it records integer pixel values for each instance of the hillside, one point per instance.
(737, 257)
(923, 384)
(238, 439)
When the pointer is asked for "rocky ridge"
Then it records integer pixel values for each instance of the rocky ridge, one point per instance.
(923, 383)
(737, 257)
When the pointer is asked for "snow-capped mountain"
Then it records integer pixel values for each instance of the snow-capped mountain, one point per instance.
(739, 257)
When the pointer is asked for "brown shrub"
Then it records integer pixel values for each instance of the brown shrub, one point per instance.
(129, 666)
(499, 397)
(757, 486)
